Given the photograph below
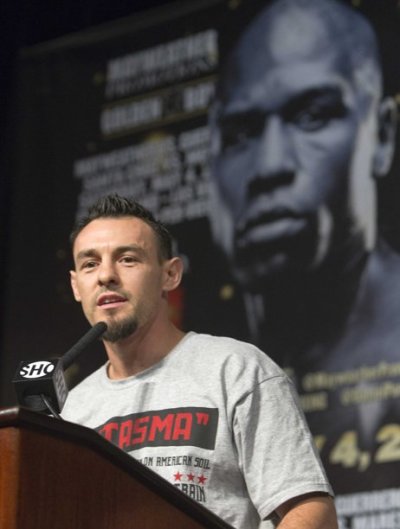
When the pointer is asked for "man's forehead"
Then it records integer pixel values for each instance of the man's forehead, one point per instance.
(290, 51)
(115, 232)
(291, 34)
(287, 38)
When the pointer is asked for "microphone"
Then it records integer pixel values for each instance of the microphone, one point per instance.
(93, 333)
(40, 385)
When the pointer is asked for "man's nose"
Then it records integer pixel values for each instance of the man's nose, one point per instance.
(275, 155)
(107, 273)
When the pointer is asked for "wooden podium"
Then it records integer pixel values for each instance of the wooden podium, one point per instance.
(59, 475)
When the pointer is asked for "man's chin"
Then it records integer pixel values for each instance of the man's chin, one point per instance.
(119, 330)
(259, 277)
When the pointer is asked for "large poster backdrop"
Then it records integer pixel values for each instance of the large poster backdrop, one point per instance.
(268, 181)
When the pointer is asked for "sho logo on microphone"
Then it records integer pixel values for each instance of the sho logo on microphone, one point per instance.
(36, 369)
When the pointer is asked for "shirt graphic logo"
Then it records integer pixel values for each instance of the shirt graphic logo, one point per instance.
(190, 426)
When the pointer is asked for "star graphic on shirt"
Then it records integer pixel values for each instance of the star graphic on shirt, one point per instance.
(191, 477)
(202, 479)
(178, 476)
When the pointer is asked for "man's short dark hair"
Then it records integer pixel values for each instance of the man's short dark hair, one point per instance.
(114, 206)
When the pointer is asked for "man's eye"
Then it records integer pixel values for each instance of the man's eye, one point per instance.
(89, 264)
(316, 116)
(311, 119)
(236, 131)
(128, 259)
(234, 138)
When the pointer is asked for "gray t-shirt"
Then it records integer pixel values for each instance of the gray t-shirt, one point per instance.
(217, 418)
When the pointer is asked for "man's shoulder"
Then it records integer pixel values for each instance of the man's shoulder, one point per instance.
(383, 276)
(223, 344)
(385, 261)
(231, 353)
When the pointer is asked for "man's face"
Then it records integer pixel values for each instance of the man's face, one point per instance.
(118, 275)
(293, 165)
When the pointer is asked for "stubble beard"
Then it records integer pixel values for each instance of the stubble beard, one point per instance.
(120, 329)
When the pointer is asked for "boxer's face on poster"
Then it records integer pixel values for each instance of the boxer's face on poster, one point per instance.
(293, 165)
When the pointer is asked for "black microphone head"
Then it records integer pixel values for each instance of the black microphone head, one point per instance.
(41, 377)
(46, 377)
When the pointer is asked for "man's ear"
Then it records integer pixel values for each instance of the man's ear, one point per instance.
(387, 126)
(74, 286)
(173, 270)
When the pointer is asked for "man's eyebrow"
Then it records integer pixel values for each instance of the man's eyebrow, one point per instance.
(236, 115)
(93, 252)
(325, 93)
(89, 252)
(135, 248)
(328, 94)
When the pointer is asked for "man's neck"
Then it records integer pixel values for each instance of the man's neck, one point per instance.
(293, 315)
(143, 349)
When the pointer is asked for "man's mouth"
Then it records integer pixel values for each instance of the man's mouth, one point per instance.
(268, 228)
(110, 300)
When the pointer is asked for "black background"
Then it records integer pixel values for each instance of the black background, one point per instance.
(25, 24)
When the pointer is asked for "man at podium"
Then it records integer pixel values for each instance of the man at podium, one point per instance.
(214, 416)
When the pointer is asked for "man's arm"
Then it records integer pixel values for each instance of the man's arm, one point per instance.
(310, 511)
